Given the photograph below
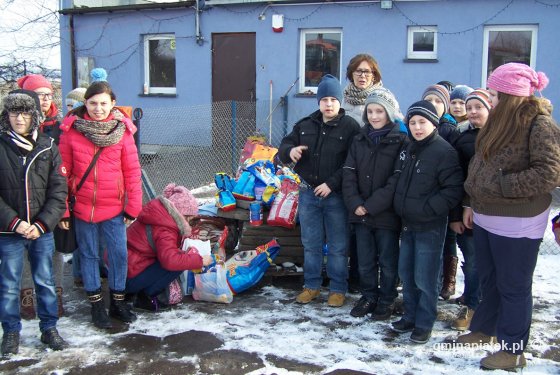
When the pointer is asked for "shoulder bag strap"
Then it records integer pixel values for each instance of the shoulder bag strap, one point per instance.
(89, 168)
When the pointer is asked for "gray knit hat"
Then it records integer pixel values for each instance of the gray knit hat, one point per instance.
(21, 101)
(387, 100)
(75, 96)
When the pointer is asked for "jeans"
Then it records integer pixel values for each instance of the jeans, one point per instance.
(40, 252)
(114, 233)
(324, 220)
(472, 285)
(378, 259)
(152, 281)
(77, 264)
(419, 265)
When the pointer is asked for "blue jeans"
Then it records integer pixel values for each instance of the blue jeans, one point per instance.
(77, 264)
(324, 220)
(378, 259)
(419, 266)
(40, 252)
(472, 285)
(114, 233)
(152, 281)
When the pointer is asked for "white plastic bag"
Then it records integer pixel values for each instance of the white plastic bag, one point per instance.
(212, 286)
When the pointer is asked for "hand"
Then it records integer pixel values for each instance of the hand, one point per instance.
(360, 211)
(295, 153)
(32, 233)
(22, 228)
(468, 217)
(207, 260)
(64, 224)
(322, 190)
(557, 235)
(457, 227)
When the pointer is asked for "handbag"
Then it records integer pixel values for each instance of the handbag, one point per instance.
(65, 240)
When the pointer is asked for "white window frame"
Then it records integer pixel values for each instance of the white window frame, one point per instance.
(487, 29)
(418, 55)
(152, 89)
(302, 87)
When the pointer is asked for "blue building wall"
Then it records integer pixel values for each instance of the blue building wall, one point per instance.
(115, 41)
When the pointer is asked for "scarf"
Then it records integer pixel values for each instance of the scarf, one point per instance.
(101, 133)
(51, 118)
(25, 143)
(356, 96)
(376, 134)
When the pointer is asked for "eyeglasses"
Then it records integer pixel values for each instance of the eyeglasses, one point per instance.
(44, 95)
(25, 115)
(365, 73)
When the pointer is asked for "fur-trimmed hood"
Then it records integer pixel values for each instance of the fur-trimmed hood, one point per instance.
(21, 101)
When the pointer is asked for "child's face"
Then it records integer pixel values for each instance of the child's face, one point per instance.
(437, 102)
(99, 106)
(329, 107)
(45, 97)
(20, 122)
(420, 127)
(457, 108)
(477, 113)
(493, 97)
(377, 116)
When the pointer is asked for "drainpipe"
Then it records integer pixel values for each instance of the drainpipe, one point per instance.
(73, 52)
(197, 9)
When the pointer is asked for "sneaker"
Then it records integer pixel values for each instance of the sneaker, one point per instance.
(383, 312)
(52, 338)
(336, 299)
(476, 338)
(307, 295)
(463, 321)
(503, 361)
(402, 326)
(10, 343)
(363, 307)
(420, 336)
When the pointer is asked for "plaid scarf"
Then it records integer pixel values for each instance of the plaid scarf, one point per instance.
(356, 96)
(101, 133)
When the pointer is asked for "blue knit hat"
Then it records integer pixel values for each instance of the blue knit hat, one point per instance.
(460, 92)
(329, 86)
(425, 109)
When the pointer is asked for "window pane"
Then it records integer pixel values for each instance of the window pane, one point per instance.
(423, 41)
(322, 56)
(162, 62)
(508, 46)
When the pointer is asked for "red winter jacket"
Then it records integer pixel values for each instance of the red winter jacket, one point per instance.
(113, 186)
(168, 230)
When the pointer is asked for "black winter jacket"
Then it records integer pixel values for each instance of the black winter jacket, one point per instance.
(31, 187)
(327, 147)
(447, 127)
(367, 178)
(430, 183)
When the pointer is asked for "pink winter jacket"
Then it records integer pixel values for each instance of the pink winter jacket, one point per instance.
(113, 186)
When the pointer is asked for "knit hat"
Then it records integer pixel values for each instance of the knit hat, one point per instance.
(21, 101)
(33, 82)
(182, 199)
(329, 86)
(98, 74)
(441, 92)
(75, 96)
(516, 79)
(482, 95)
(387, 100)
(460, 92)
(425, 109)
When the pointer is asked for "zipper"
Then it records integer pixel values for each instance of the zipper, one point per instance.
(26, 179)
(94, 198)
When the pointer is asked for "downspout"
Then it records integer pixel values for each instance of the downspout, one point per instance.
(199, 37)
(73, 52)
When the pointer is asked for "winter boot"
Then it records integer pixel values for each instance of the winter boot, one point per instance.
(119, 308)
(98, 313)
(10, 343)
(147, 303)
(449, 272)
(59, 301)
(27, 304)
(51, 337)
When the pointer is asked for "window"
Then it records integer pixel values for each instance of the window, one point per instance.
(319, 55)
(159, 64)
(422, 42)
(504, 44)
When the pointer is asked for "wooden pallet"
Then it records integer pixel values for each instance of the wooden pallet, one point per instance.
(291, 249)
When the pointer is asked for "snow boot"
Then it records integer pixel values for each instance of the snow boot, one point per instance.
(449, 273)
(26, 304)
(52, 338)
(10, 343)
(119, 308)
(99, 315)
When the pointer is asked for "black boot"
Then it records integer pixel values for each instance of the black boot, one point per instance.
(98, 313)
(119, 309)
(153, 304)
(10, 343)
(52, 338)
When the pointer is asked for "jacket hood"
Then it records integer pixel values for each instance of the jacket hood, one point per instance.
(160, 212)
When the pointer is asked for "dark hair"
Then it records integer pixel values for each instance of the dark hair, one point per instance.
(98, 87)
(357, 60)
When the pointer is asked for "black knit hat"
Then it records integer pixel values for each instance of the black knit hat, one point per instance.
(425, 109)
(21, 101)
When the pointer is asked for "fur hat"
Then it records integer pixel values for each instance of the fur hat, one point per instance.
(21, 101)
(482, 95)
(182, 199)
(329, 86)
(33, 81)
(425, 109)
(460, 92)
(441, 92)
(75, 96)
(516, 79)
(387, 100)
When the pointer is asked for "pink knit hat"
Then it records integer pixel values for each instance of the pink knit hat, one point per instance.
(182, 199)
(33, 82)
(516, 79)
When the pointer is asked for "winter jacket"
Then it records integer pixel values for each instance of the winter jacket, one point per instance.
(356, 111)
(51, 125)
(168, 230)
(517, 181)
(113, 186)
(32, 188)
(430, 183)
(366, 178)
(328, 145)
(447, 127)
